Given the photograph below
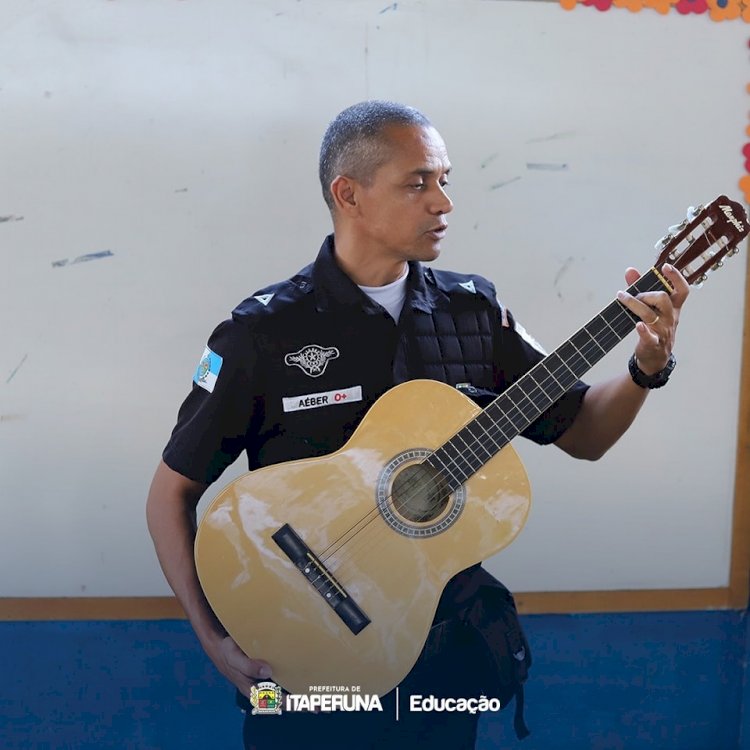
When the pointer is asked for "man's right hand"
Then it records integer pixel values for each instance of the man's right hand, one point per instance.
(171, 515)
(242, 671)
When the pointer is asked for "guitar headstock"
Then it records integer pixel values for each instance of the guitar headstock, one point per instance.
(700, 243)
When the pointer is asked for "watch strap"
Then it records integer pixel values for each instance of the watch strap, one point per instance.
(657, 380)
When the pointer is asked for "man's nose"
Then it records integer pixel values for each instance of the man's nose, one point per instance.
(443, 204)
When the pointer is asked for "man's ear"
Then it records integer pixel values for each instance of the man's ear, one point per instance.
(344, 192)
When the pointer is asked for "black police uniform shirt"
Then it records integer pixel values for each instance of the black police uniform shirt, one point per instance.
(299, 363)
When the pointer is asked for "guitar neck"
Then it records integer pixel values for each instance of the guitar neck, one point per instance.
(533, 393)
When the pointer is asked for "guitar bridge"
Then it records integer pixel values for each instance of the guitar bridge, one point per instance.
(320, 578)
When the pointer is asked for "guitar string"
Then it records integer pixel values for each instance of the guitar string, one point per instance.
(359, 539)
(417, 485)
(365, 538)
(621, 315)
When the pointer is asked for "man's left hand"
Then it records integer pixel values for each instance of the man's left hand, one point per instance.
(659, 313)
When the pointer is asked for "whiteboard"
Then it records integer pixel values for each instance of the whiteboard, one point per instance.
(159, 164)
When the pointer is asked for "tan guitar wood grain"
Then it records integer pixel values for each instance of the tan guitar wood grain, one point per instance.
(274, 612)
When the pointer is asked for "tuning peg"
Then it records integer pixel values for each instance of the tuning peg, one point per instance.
(693, 211)
(678, 227)
(663, 242)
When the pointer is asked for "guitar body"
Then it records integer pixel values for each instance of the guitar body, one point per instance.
(390, 560)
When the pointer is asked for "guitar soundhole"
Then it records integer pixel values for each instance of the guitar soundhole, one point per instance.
(420, 493)
(414, 499)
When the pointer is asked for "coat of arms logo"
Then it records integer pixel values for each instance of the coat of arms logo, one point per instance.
(265, 698)
(312, 359)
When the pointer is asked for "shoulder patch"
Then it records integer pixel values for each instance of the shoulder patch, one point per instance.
(208, 370)
(270, 300)
(451, 282)
(469, 286)
(503, 315)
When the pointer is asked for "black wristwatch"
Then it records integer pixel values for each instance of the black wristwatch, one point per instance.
(657, 380)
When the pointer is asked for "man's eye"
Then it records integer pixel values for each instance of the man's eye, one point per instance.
(444, 184)
(418, 185)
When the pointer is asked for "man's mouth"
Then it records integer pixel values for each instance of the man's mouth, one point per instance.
(438, 232)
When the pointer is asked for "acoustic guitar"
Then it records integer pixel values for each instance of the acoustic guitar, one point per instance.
(331, 568)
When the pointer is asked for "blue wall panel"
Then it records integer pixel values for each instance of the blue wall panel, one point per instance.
(86, 685)
(667, 681)
(672, 681)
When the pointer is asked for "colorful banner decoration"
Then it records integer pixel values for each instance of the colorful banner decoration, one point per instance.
(718, 10)
(744, 182)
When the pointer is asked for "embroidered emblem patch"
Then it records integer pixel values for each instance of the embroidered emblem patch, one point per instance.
(312, 359)
(208, 370)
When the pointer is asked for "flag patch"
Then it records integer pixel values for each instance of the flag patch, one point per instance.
(208, 370)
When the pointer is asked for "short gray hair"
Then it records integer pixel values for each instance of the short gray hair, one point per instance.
(355, 143)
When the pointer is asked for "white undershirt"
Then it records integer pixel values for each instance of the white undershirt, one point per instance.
(391, 296)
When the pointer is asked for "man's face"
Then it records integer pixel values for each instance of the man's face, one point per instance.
(402, 211)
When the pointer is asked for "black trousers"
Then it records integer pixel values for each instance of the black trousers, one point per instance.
(452, 664)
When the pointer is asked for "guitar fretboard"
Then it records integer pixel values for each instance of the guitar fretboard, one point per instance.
(533, 393)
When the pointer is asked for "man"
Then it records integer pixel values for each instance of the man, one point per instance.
(366, 316)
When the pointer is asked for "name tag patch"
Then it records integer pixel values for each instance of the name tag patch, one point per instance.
(324, 398)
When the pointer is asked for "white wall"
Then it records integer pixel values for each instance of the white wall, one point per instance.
(182, 137)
